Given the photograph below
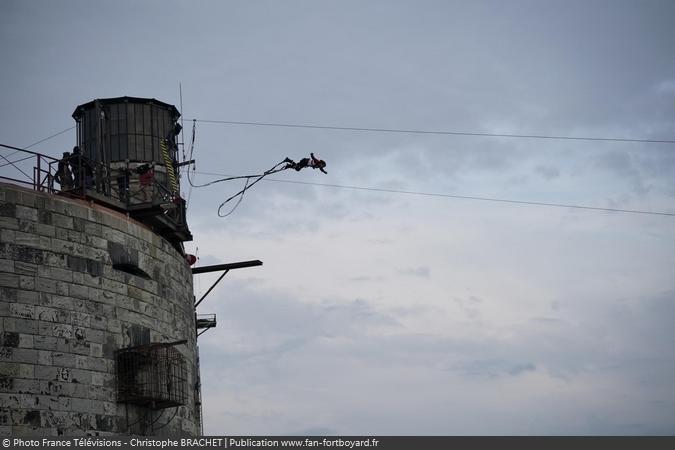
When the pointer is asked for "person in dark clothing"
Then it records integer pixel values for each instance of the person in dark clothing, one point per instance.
(64, 176)
(81, 169)
(146, 174)
(75, 165)
(312, 162)
(123, 184)
(146, 178)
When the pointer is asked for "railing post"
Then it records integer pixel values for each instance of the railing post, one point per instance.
(36, 174)
(127, 187)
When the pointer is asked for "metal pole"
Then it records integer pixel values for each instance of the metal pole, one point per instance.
(211, 288)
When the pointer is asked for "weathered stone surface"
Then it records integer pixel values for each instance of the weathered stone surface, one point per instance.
(46, 230)
(55, 259)
(27, 227)
(21, 253)
(80, 264)
(26, 198)
(24, 355)
(45, 285)
(28, 326)
(80, 347)
(30, 297)
(6, 265)
(22, 311)
(26, 371)
(27, 283)
(63, 359)
(9, 369)
(26, 340)
(8, 210)
(67, 247)
(62, 221)
(6, 384)
(9, 280)
(93, 229)
(45, 343)
(78, 291)
(44, 216)
(69, 235)
(45, 357)
(32, 240)
(77, 284)
(8, 295)
(9, 400)
(25, 268)
(9, 339)
(26, 213)
(47, 314)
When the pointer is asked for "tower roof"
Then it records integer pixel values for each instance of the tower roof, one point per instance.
(125, 99)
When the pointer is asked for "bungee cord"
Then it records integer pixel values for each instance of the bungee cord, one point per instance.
(287, 163)
(247, 186)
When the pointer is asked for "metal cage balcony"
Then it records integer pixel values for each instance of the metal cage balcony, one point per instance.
(153, 376)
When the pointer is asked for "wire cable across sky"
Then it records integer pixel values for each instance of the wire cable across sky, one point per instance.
(437, 132)
(461, 197)
(49, 137)
(41, 141)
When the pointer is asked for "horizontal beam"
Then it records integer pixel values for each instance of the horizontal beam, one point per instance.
(28, 151)
(229, 266)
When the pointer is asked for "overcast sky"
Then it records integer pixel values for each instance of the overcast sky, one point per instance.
(383, 313)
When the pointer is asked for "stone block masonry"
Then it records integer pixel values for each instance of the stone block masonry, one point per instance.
(68, 301)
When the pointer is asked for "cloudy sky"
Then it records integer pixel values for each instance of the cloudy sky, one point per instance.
(385, 313)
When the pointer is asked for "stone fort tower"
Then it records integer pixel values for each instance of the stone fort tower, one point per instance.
(97, 317)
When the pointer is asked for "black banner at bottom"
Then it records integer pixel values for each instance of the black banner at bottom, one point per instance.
(345, 442)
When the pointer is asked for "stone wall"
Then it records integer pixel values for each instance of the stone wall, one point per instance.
(78, 282)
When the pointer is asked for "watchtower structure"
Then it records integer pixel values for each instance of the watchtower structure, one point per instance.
(129, 161)
(98, 333)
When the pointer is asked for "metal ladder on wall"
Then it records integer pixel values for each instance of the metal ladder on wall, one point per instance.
(168, 162)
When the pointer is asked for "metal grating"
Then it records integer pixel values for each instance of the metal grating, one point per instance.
(153, 376)
(205, 321)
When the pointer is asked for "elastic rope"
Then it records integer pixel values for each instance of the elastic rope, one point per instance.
(241, 197)
(240, 194)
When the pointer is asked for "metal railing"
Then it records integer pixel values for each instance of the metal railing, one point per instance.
(205, 321)
(38, 175)
(126, 185)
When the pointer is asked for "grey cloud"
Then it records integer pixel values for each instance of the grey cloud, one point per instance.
(421, 272)
(495, 368)
(470, 306)
(322, 346)
(624, 166)
(547, 172)
(666, 87)
(365, 278)
(285, 318)
(381, 241)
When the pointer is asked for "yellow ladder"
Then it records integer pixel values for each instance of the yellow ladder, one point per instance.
(168, 163)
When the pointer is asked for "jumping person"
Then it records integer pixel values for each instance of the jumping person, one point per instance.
(312, 162)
